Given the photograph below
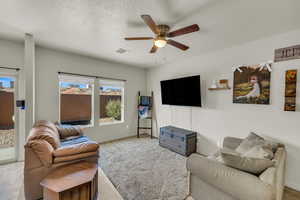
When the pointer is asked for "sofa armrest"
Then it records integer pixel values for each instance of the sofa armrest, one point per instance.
(66, 131)
(43, 150)
(268, 176)
(231, 142)
(76, 149)
(239, 184)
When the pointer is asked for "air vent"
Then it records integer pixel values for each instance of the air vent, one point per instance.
(121, 51)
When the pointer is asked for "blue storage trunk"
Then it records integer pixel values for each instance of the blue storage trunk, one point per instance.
(178, 140)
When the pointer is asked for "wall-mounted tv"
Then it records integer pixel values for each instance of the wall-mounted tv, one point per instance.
(181, 91)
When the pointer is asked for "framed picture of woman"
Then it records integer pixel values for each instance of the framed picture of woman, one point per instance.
(251, 85)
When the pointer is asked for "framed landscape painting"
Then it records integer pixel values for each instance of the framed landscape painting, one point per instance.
(251, 85)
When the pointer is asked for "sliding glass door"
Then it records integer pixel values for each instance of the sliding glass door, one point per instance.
(8, 133)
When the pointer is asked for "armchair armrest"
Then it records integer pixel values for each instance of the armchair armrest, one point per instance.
(238, 184)
(43, 150)
(80, 148)
(231, 142)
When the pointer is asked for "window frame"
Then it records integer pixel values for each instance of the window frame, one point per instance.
(122, 103)
(92, 122)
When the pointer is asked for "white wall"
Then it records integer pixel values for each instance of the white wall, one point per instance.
(11, 54)
(219, 117)
(49, 62)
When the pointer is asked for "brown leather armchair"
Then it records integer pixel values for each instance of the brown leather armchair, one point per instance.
(50, 146)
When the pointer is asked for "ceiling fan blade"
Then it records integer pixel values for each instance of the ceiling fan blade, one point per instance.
(185, 30)
(178, 45)
(139, 38)
(149, 21)
(154, 49)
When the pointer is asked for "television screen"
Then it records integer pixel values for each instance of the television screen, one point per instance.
(182, 91)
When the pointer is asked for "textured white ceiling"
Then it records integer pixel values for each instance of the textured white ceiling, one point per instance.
(97, 27)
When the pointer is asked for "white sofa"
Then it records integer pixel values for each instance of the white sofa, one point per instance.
(212, 180)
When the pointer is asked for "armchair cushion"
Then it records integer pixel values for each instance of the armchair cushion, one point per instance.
(45, 123)
(44, 133)
(70, 150)
(74, 140)
(66, 131)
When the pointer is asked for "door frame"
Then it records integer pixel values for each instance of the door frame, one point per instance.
(15, 75)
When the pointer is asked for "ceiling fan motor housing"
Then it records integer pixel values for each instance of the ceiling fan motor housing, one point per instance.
(163, 30)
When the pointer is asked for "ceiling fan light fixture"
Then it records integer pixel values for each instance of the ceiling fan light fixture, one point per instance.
(162, 34)
(160, 43)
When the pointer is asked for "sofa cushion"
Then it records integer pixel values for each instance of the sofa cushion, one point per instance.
(247, 164)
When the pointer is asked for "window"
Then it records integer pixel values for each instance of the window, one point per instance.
(111, 101)
(76, 100)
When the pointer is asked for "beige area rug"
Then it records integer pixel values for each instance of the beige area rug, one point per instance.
(11, 182)
(140, 169)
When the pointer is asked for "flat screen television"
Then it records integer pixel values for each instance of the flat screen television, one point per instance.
(181, 91)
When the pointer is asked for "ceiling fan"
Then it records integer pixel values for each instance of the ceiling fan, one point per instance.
(162, 32)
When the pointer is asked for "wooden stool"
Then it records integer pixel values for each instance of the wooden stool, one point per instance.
(77, 181)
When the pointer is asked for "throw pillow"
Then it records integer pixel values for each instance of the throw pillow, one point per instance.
(249, 142)
(260, 151)
(272, 145)
(251, 165)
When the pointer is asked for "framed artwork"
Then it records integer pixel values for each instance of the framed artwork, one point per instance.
(290, 90)
(251, 85)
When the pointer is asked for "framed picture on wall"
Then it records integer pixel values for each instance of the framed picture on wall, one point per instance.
(251, 85)
(290, 90)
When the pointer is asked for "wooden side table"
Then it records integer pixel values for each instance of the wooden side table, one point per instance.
(77, 181)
